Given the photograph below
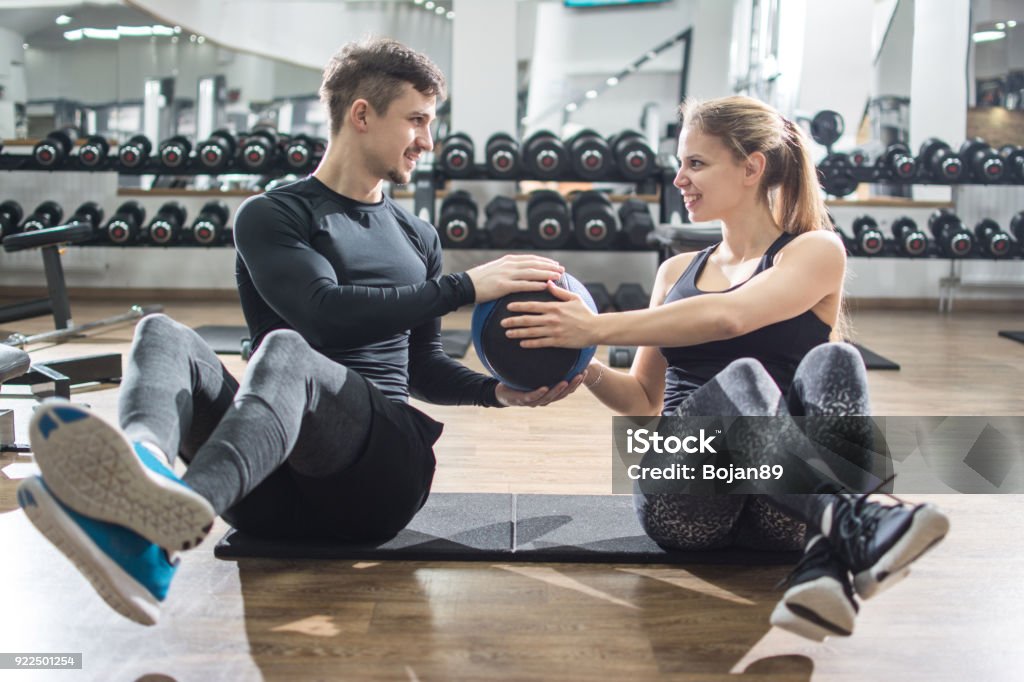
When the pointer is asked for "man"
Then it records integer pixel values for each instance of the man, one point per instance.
(342, 291)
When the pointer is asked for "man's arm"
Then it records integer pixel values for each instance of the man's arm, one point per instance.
(437, 378)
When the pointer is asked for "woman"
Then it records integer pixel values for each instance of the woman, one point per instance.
(751, 327)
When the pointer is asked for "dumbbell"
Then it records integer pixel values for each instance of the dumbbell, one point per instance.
(939, 161)
(621, 356)
(898, 162)
(51, 152)
(93, 152)
(859, 157)
(216, 152)
(89, 213)
(909, 239)
(827, 127)
(174, 152)
(502, 224)
(633, 156)
(544, 156)
(1017, 228)
(165, 227)
(502, 156)
(589, 155)
(602, 299)
(10, 218)
(836, 173)
(457, 224)
(594, 221)
(547, 220)
(993, 241)
(953, 238)
(631, 296)
(1013, 159)
(258, 150)
(637, 223)
(457, 155)
(126, 223)
(135, 152)
(867, 238)
(47, 214)
(983, 163)
(319, 148)
(298, 153)
(210, 225)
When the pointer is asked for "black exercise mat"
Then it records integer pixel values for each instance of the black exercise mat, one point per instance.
(873, 360)
(480, 527)
(455, 342)
(222, 338)
(1016, 336)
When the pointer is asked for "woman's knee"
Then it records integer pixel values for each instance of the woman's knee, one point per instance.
(839, 355)
(750, 385)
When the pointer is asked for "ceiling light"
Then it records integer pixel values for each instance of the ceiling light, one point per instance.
(73, 35)
(24, 46)
(135, 31)
(450, 15)
(1011, 23)
(439, 10)
(571, 106)
(201, 39)
(429, 4)
(101, 33)
(612, 82)
(591, 94)
(1000, 26)
(988, 36)
(177, 30)
(417, 2)
(63, 20)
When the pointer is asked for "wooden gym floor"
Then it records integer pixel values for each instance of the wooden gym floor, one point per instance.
(959, 616)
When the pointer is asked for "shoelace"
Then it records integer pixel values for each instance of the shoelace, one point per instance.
(857, 521)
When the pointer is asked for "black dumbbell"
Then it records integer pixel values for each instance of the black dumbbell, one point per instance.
(867, 238)
(544, 156)
(502, 156)
(298, 154)
(633, 156)
(47, 214)
(89, 213)
(938, 159)
(602, 299)
(1013, 160)
(502, 224)
(216, 152)
(836, 172)
(1017, 228)
(258, 150)
(93, 152)
(126, 223)
(909, 239)
(631, 296)
(898, 162)
(621, 356)
(134, 153)
(10, 218)
(210, 226)
(547, 220)
(319, 148)
(174, 152)
(165, 227)
(953, 238)
(859, 157)
(589, 154)
(457, 155)
(993, 241)
(51, 152)
(594, 220)
(827, 127)
(983, 163)
(457, 225)
(637, 223)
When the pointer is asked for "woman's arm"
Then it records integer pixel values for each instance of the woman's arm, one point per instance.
(811, 268)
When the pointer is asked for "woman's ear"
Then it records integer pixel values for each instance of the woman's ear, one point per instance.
(753, 168)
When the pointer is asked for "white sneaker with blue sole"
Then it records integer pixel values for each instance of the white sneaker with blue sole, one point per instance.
(129, 572)
(92, 467)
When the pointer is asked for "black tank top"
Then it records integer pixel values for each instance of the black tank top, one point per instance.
(779, 346)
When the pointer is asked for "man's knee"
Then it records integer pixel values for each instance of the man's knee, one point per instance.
(159, 324)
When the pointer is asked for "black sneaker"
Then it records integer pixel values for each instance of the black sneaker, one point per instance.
(877, 542)
(819, 599)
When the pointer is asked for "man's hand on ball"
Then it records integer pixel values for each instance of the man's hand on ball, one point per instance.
(510, 397)
(511, 274)
(566, 323)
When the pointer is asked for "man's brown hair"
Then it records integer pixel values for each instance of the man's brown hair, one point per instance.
(376, 70)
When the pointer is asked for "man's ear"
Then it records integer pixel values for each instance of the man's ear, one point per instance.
(357, 114)
(753, 168)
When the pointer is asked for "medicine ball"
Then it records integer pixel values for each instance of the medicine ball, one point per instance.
(526, 369)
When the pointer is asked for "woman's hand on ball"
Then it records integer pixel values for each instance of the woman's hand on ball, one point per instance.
(510, 397)
(513, 273)
(567, 323)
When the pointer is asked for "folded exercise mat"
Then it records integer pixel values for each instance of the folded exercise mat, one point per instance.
(873, 360)
(1016, 336)
(503, 527)
(228, 339)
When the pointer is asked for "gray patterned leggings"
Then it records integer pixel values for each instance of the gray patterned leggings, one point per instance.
(829, 382)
